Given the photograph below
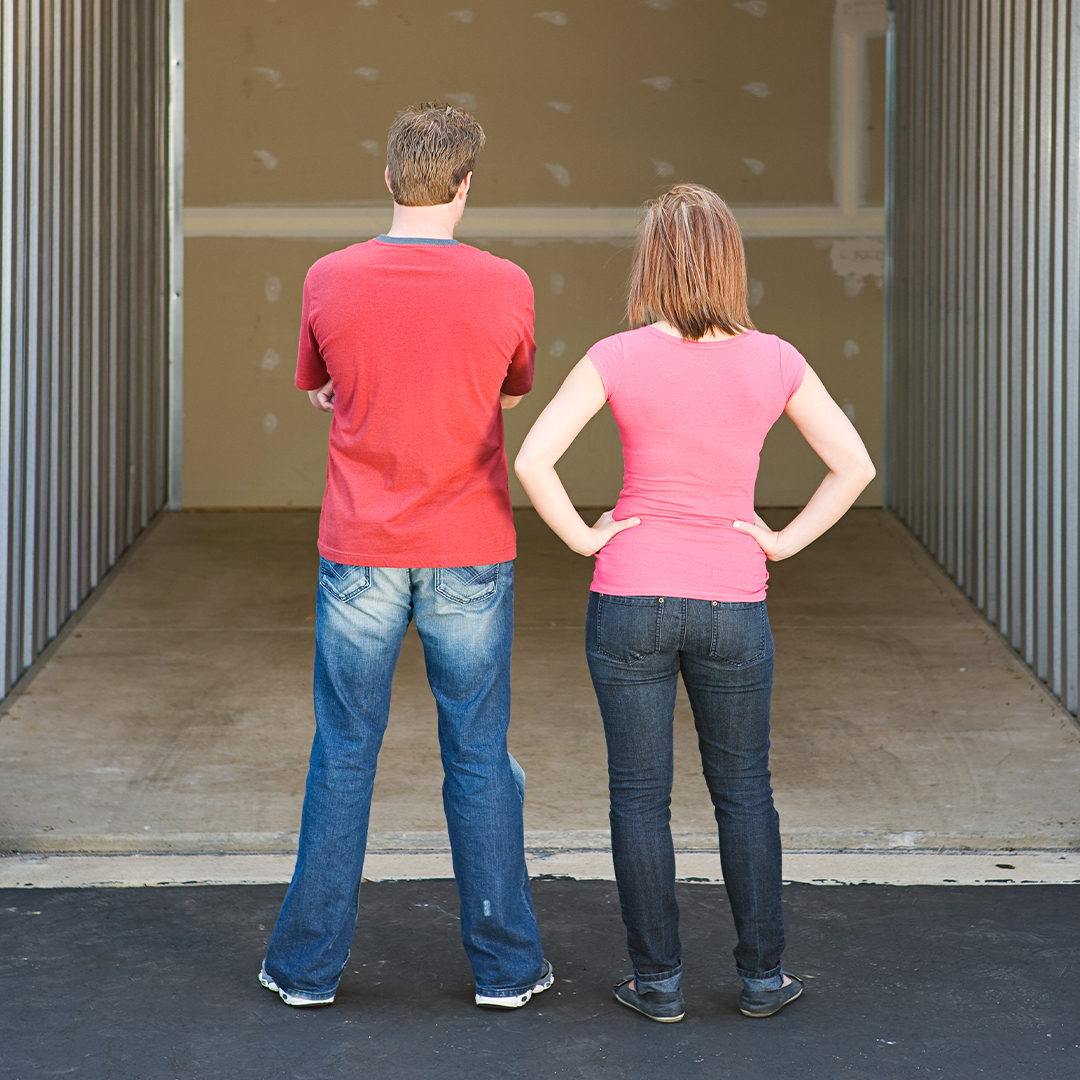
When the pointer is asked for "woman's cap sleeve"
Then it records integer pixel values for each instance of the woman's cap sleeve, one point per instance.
(607, 356)
(792, 368)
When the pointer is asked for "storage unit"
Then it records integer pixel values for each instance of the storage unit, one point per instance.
(85, 266)
(983, 378)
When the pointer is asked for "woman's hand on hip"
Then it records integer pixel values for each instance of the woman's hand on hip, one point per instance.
(605, 528)
(769, 540)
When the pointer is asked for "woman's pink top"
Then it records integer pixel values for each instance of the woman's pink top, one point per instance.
(693, 416)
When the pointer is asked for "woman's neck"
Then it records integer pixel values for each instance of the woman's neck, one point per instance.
(713, 335)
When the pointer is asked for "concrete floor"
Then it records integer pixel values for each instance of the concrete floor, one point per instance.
(176, 716)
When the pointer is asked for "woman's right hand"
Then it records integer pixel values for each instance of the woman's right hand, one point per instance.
(606, 527)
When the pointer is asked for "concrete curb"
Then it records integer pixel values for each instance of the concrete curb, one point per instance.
(817, 868)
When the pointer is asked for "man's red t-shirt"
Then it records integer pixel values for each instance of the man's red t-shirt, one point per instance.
(419, 337)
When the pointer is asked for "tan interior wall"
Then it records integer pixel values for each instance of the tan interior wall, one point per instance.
(277, 115)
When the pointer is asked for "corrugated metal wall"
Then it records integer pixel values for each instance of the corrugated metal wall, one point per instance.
(84, 301)
(984, 310)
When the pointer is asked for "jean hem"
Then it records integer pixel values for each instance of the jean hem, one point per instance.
(655, 981)
(768, 980)
(503, 992)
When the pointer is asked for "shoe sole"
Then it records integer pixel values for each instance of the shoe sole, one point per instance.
(290, 999)
(522, 999)
(773, 1012)
(649, 1016)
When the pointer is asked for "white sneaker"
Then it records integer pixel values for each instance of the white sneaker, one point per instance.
(515, 1001)
(292, 999)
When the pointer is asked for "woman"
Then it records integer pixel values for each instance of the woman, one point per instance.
(679, 584)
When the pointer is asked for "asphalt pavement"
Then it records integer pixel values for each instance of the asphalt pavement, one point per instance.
(902, 982)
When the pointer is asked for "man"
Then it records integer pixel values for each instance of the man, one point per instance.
(415, 342)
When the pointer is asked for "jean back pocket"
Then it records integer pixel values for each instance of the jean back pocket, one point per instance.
(628, 628)
(341, 581)
(740, 634)
(467, 584)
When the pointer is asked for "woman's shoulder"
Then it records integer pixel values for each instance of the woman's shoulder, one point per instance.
(621, 340)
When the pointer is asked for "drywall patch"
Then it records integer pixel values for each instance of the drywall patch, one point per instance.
(269, 424)
(755, 292)
(556, 283)
(462, 16)
(266, 158)
(366, 3)
(659, 5)
(754, 165)
(560, 173)
(369, 74)
(272, 288)
(753, 7)
(856, 259)
(758, 89)
(271, 359)
(664, 169)
(371, 146)
(272, 76)
(557, 347)
(556, 18)
(659, 82)
(851, 348)
(560, 106)
(463, 101)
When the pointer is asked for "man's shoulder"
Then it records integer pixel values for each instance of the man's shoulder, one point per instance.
(495, 268)
(342, 259)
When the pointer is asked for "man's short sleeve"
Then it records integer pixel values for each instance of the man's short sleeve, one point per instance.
(792, 368)
(607, 356)
(519, 373)
(311, 370)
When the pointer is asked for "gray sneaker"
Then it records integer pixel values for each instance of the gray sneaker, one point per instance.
(767, 1002)
(292, 999)
(664, 1008)
(515, 1001)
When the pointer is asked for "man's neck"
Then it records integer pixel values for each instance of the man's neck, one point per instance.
(425, 222)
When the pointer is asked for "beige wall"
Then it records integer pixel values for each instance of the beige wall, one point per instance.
(293, 134)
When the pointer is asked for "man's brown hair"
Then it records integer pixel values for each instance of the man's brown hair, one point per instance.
(689, 265)
(430, 150)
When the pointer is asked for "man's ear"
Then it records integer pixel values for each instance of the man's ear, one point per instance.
(386, 177)
(463, 187)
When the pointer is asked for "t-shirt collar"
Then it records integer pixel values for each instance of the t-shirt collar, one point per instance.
(415, 240)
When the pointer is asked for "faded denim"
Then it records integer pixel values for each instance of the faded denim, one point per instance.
(465, 618)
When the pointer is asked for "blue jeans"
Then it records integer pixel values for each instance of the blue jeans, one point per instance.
(637, 646)
(465, 618)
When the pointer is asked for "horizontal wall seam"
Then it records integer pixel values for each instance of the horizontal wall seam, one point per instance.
(316, 222)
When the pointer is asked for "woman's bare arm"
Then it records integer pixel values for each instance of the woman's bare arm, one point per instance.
(579, 399)
(834, 439)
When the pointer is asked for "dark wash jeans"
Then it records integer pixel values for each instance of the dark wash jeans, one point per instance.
(465, 618)
(637, 646)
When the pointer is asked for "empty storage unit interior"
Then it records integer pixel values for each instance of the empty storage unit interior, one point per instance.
(590, 110)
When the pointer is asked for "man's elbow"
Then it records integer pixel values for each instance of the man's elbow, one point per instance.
(507, 401)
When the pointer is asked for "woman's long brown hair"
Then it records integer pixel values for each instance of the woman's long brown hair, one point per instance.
(689, 265)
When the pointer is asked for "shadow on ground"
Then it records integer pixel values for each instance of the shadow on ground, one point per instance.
(156, 984)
